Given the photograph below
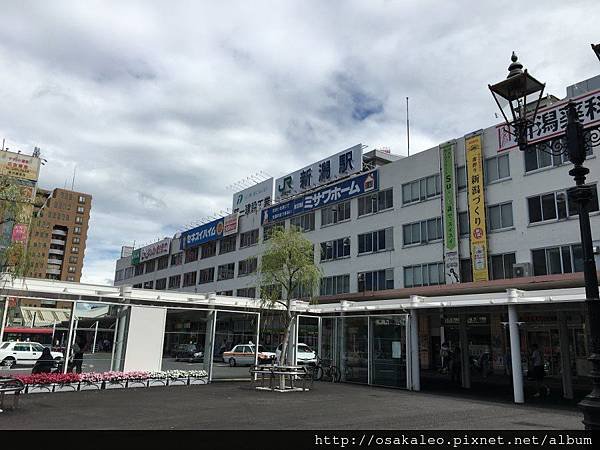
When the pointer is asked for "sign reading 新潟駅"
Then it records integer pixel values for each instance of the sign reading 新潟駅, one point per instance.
(203, 233)
(254, 198)
(341, 164)
(475, 193)
(155, 250)
(19, 166)
(451, 256)
(327, 196)
(551, 121)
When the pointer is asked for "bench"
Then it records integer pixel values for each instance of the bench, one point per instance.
(273, 373)
(10, 386)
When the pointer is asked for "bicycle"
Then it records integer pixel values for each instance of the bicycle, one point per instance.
(326, 371)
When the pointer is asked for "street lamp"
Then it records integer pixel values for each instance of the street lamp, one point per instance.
(596, 48)
(574, 142)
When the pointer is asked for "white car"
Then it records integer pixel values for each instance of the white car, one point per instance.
(23, 353)
(243, 354)
(304, 354)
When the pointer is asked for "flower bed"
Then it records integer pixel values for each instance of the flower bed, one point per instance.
(58, 382)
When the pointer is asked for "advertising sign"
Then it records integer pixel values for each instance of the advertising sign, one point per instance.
(327, 196)
(19, 166)
(135, 257)
(155, 250)
(203, 233)
(474, 163)
(253, 199)
(551, 121)
(341, 164)
(451, 256)
(19, 233)
(230, 224)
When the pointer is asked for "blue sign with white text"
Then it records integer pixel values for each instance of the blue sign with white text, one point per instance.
(204, 233)
(329, 195)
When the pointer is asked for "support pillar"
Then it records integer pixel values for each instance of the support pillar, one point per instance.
(464, 351)
(209, 342)
(565, 355)
(414, 351)
(515, 347)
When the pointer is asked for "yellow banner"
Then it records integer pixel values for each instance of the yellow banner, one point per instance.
(19, 166)
(475, 186)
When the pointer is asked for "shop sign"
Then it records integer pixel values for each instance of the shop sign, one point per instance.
(204, 233)
(342, 164)
(253, 199)
(155, 250)
(551, 121)
(330, 195)
(19, 233)
(451, 256)
(135, 257)
(19, 166)
(471, 320)
(230, 224)
(476, 196)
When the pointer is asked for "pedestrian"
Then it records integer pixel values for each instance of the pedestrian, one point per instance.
(45, 363)
(537, 363)
(77, 351)
(444, 356)
(456, 365)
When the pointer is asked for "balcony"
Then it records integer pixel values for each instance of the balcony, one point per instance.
(59, 232)
(55, 261)
(57, 242)
(52, 271)
(55, 251)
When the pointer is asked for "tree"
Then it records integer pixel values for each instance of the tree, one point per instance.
(287, 266)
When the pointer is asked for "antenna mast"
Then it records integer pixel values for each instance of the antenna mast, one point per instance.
(407, 128)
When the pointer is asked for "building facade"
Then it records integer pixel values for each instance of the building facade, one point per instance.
(59, 233)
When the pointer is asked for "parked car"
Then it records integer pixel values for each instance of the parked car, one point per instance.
(188, 352)
(23, 353)
(243, 354)
(304, 354)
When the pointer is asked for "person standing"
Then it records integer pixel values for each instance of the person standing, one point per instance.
(444, 356)
(78, 349)
(45, 362)
(537, 363)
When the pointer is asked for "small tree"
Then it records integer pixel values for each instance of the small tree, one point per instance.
(287, 265)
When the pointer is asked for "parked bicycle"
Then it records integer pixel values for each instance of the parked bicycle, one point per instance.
(326, 371)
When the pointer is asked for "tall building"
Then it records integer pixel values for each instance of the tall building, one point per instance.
(58, 234)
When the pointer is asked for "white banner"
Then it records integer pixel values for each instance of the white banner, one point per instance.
(254, 198)
(155, 250)
(230, 224)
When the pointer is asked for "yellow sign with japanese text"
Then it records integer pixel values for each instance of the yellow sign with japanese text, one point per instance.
(475, 186)
(19, 166)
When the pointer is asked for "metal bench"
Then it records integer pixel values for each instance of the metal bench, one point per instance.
(10, 386)
(292, 373)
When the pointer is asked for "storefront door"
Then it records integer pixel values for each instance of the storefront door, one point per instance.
(388, 351)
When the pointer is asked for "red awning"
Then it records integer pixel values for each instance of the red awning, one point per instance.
(28, 330)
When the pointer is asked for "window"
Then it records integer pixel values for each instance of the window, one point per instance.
(501, 266)
(71, 269)
(80, 209)
(248, 238)
(74, 249)
(70, 278)
(499, 216)
(119, 275)
(305, 222)
(191, 254)
(226, 272)
(378, 201)
(422, 232)
(209, 249)
(271, 290)
(378, 280)
(226, 293)
(336, 249)
(339, 284)
(461, 178)
(128, 272)
(227, 244)
(77, 230)
(149, 284)
(421, 190)
(424, 275)
(537, 159)
(207, 275)
(466, 271)
(556, 206)
(81, 199)
(139, 269)
(496, 168)
(335, 213)
(268, 230)
(150, 266)
(163, 262)
(189, 279)
(175, 281)
(78, 219)
(246, 292)
(376, 241)
(177, 259)
(464, 228)
(247, 266)
(161, 284)
(138, 285)
(76, 240)
(73, 259)
(555, 260)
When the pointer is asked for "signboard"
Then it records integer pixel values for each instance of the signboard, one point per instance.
(341, 164)
(135, 257)
(451, 257)
(230, 224)
(19, 233)
(335, 193)
(126, 251)
(19, 166)
(155, 250)
(203, 233)
(475, 192)
(551, 121)
(396, 349)
(253, 199)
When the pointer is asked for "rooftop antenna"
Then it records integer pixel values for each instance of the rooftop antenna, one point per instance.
(407, 129)
(3, 139)
(73, 182)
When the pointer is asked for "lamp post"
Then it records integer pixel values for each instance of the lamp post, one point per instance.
(575, 141)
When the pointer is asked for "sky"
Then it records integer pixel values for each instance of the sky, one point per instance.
(159, 106)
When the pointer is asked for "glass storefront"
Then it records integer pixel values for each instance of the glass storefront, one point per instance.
(388, 351)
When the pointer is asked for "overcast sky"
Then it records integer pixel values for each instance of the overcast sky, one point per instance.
(162, 105)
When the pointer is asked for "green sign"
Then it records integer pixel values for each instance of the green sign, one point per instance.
(135, 257)
(451, 257)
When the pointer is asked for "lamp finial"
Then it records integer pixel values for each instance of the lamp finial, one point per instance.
(515, 68)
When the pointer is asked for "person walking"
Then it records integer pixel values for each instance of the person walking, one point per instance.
(78, 350)
(45, 363)
(456, 365)
(537, 363)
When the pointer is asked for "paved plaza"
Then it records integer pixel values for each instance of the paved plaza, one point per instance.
(235, 405)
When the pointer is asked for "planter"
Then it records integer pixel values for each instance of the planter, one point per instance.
(115, 384)
(90, 386)
(137, 383)
(178, 381)
(39, 388)
(198, 380)
(157, 382)
(66, 387)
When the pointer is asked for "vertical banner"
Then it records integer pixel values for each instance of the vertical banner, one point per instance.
(449, 214)
(474, 163)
